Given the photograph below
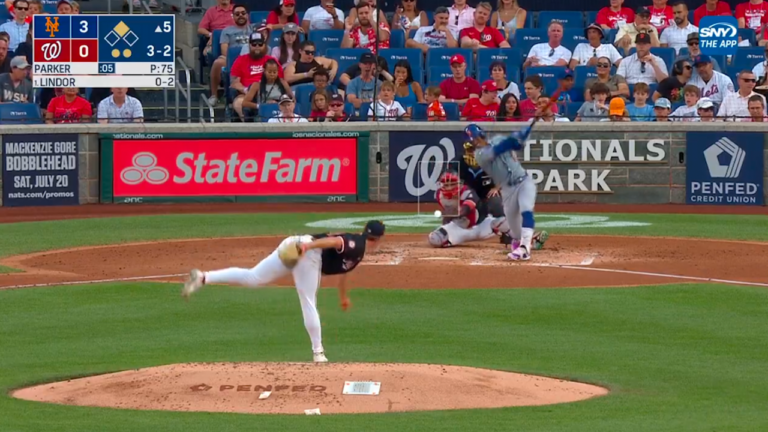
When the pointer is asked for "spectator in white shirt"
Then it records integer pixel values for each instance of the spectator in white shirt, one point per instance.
(437, 35)
(735, 105)
(323, 17)
(587, 53)
(713, 84)
(756, 106)
(760, 70)
(286, 106)
(18, 28)
(706, 110)
(387, 108)
(461, 16)
(689, 111)
(642, 66)
(120, 108)
(676, 36)
(550, 53)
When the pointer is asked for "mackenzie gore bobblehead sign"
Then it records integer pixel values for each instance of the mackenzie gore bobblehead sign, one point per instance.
(40, 170)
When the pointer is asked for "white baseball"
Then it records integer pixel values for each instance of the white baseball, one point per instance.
(438, 213)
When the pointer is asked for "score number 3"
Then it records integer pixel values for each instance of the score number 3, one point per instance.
(166, 51)
(83, 26)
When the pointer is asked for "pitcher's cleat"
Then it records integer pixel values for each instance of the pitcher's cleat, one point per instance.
(539, 239)
(194, 282)
(319, 357)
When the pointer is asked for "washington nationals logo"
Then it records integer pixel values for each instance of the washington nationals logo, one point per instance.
(51, 50)
(423, 165)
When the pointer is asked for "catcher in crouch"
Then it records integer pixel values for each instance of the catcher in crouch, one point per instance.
(305, 257)
(463, 221)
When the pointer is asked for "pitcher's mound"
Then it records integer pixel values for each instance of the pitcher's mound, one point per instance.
(296, 387)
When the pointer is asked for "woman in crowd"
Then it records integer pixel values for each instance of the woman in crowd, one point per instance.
(288, 50)
(407, 91)
(509, 109)
(407, 16)
(320, 108)
(509, 17)
(283, 14)
(499, 76)
(616, 83)
(268, 90)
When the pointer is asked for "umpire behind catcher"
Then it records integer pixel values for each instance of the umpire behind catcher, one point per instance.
(473, 176)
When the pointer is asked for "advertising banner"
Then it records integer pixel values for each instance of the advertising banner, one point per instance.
(40, 170)
(724, 168)
(233, 168)
(416, 160)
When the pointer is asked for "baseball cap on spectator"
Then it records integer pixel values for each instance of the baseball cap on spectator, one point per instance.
(63, 1)
(616, 107)
(662, 103)
(643, 38)
(705, 103)
(594, 26)
(287, 2)
(367, 57)
(336, 99)
(643, 11)
(458, 58)
(694, 36)
(567, 73)
(20, 62)
(256, 37)
(284, 98)
(441, 9)
(490, 85)
(290, 27)
(701, 59)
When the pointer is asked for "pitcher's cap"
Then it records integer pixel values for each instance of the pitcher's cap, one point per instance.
(374, 229)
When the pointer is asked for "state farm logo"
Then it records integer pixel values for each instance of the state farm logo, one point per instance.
(144, 169)
(51, 50)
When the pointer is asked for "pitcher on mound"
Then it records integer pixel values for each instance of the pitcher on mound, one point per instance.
(306, 258)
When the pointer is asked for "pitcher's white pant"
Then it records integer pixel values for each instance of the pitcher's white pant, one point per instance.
(484, 230)
(306, 277)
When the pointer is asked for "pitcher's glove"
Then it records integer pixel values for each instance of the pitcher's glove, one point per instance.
(290, 252)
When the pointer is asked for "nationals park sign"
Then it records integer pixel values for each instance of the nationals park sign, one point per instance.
(418, 158)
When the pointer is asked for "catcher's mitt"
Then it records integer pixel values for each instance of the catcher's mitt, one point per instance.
(290, 252)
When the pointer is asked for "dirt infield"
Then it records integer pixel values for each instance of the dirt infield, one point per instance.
(296, 387)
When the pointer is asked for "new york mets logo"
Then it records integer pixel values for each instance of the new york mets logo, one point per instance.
(52, 27)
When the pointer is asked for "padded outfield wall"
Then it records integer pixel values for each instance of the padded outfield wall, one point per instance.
(642, 163)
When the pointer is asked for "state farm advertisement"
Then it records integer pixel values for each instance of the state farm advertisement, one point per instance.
(234, 167)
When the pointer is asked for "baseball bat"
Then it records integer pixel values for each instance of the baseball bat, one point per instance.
(552, 99)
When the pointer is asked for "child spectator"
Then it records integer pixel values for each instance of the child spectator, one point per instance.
(321, 80)
(484, 108)
(689, 111)
(268, 89)
(640, 110)
(319, 109)
(70, 107)
(595, 109)
(509, 109)
(545, 110)
(387, 108)
(435, 110)
(617, 111)
(336, 109)
(705, 110)
(662, 108)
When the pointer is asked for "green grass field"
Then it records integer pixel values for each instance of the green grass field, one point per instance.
(675, 357)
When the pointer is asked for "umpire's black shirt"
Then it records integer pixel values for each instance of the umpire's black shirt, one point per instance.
(341, 261)
(475, 177)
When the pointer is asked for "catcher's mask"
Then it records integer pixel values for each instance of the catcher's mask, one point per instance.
(449, 184)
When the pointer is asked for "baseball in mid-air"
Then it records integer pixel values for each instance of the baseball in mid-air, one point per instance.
(438, 213)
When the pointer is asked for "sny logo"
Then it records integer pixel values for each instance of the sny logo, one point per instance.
(719, 35)
(52, 27)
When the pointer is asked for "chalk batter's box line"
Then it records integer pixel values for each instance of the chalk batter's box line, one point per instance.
(418, 175)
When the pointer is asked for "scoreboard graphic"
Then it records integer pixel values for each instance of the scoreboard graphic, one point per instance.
(100, 51)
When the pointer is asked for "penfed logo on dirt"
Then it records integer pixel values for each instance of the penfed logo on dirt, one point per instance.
(724, 168)
(234, 167)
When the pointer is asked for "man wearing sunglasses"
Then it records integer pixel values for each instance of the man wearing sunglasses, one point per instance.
(18, 28)
(303, 70)
(551, 53)
(587, 53)
(232, 36)
(249, 68)
(735, 106)
(627, 34)
(694, 50)
(435, 36)
(460, 16)
(642, 66)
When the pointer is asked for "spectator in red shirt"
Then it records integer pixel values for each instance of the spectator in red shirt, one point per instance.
(70, 107)
(320, 108)
(218, 17)
(459, 88)
(661, 14)
(750, 14)
(711, 8)
(336, 109)
(484, 108)
(615, 16)
(481, 35)
(283, 14)
(365, 34)
(533, 87)
(249, 68)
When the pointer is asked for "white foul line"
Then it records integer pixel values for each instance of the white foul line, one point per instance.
(92, 281)
(664, 275)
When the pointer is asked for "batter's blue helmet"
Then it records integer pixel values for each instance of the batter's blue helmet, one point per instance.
(474, 131)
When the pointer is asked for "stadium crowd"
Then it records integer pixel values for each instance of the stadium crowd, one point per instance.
(491, 62)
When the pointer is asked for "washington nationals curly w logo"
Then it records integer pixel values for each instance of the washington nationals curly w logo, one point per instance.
(423, 167)
(51, 50)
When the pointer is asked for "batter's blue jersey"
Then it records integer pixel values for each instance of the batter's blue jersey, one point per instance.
(503, 168)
